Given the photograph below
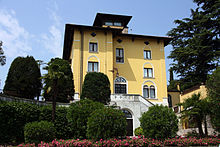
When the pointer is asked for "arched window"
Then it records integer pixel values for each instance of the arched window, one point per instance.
(152, 91)
(120, 85)
(127, 113)
(146, 91)
(149, 91)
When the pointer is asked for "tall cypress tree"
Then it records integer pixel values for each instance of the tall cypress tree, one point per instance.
(196, 43)
(23, 78)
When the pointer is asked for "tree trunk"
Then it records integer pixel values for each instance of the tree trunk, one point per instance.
(199, 124)
(205, 124)
(54, 99)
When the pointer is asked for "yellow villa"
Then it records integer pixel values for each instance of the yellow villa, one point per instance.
(134, 64)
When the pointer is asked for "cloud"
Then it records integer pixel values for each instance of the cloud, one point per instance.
(52, 41)
(15, 38)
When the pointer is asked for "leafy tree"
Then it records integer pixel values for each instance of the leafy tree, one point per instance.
(196, 109)
(23, 78)
(106, 123)
(2, 57)
(213, 86)
(196, 43)
(78, 114)
(58, 82)
(96, 87)
(159, 122)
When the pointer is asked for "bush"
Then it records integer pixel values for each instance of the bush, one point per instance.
(78, 114)
(61, 123)
(36, 132)
(106, 123)
(96, 87)
(159, 122)
(13, 117)
(138, 131)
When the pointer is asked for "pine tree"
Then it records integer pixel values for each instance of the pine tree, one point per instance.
(196, 43)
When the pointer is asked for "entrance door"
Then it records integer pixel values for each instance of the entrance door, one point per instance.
(129, 119)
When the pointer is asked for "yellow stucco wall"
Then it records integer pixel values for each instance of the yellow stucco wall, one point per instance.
(175, 97)
(134, 62)
(202, 90)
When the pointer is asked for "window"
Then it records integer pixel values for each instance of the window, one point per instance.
(152, 91)
(147, 54)
(117, 23)
(120, 85)
(149, 92)
(146, 91)
(93, 47)
(108, 23)
(93, 66)
(148, 72)
(119, 55)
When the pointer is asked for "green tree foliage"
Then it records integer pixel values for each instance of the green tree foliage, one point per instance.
(159, 122)
(13, 117)
(58, 82)
(213, 86)
(61, 123)
(96, 87)
(35, 132)
(196, 43)
(78, 114)
(2, 57)
(196, 109)
(23, 78)
(59, 73)
(106, 123)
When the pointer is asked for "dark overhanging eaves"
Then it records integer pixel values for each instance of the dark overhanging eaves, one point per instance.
(68, 41)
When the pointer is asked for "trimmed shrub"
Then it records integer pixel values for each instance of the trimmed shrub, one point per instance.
(96, 86)
(13, 117)
(106, 123)
(78, 114)
(61, 123)
(23, 78)
(138, 131)
(159, 122)
(36, 132)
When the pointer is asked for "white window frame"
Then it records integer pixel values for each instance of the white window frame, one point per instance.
(92, 46)
(148, 85)
(148, 73)
(146, 54)
(120, 56)
(93, 66)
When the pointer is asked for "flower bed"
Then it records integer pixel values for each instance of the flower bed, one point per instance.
(140, 141)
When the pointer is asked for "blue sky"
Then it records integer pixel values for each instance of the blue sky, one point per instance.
(36, 27)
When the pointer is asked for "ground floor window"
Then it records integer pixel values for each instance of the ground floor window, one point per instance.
(120, 85)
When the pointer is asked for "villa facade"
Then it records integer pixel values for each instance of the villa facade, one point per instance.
(134, 64)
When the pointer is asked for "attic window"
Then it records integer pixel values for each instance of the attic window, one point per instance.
(108, 23)
(117, 23)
